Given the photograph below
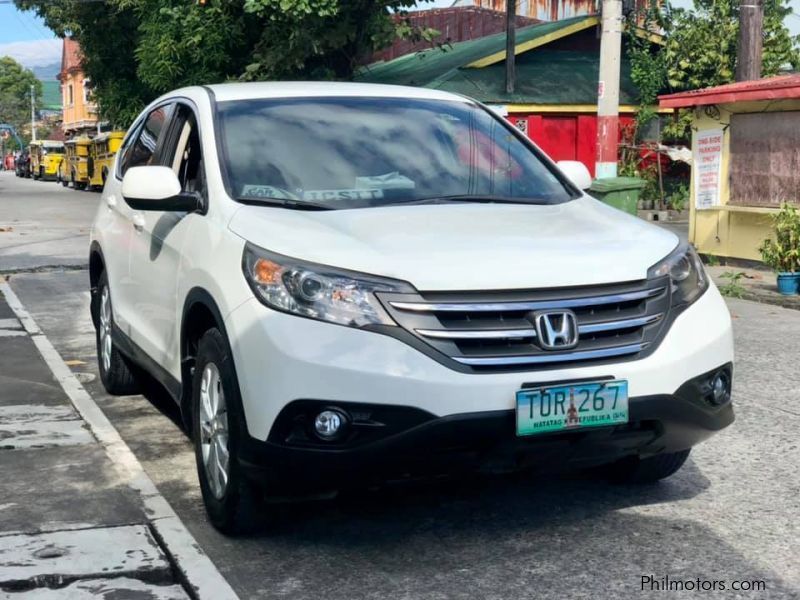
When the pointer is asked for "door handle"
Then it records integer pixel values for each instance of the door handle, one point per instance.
(111, 201)
(138, 222)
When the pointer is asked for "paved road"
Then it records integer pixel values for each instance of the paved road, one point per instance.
(730, 514)
(43, 224)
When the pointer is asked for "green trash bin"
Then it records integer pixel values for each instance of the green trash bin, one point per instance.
(619, 192)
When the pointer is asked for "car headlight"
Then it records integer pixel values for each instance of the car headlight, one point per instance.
(686, 273)
(317, 291)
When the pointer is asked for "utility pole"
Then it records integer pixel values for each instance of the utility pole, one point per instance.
(608, 90)
(751, 24)
(33, 114)
(511, 42)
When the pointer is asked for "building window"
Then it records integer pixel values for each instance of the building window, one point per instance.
(70, 98)
(765, 153)
(86, 91)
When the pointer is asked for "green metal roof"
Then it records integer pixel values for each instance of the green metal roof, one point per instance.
(423, 68)
(543, 76)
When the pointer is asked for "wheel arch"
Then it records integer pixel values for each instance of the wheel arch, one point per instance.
(200, 313)
(97, 264)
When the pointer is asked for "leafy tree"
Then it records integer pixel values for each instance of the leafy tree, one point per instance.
(134, 50)
(185, 43)
(15, 92)
(321, 39)
(107, 38)
(701, 44)
(700, 50)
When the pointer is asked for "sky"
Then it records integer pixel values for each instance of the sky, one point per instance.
(24, 37)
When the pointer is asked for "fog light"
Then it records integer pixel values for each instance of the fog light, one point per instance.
(720, 388)
(329, 424)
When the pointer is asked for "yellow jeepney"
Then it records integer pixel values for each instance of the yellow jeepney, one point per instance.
(46, 157)
(101, 157)
(74, 167)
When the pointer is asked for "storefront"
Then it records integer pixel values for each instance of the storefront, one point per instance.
(745, 161)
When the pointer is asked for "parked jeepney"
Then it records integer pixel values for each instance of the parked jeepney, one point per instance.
(74, 167)
(46, 157)
(101, 157)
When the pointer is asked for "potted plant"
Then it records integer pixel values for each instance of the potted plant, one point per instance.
(782, 254)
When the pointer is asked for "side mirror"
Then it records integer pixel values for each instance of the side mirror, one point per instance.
(576, 172)
(157, 188)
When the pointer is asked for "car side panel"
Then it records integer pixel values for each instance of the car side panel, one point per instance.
(113, 229)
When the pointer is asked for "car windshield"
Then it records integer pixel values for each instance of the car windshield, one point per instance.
(344, 152)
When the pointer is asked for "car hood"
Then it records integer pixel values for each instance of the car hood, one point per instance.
(462, 246)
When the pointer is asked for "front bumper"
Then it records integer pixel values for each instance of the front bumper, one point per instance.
(281, 358)
(425, 445)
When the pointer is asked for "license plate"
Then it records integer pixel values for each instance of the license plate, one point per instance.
(571, 406)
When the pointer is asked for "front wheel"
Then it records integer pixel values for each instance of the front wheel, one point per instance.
(116, 373)
(231, 500)
(648, 470)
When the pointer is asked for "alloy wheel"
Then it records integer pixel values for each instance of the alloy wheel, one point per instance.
(105, 329)
(214, 430)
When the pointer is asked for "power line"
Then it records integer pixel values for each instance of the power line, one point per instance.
(25, 25)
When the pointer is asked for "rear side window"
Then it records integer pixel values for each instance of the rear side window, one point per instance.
(142, 149)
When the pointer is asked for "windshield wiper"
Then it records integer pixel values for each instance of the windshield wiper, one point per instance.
(285, 203)
(484, 199)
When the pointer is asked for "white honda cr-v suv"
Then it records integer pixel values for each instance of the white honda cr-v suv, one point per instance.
(346, 283)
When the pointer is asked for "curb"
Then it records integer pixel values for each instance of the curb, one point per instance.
(199, 575)
(788, 302)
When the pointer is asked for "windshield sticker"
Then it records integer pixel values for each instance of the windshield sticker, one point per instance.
(352, 194)
(266, 191)
(389, 181)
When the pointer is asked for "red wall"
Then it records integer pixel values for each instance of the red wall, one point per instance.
(564, 136)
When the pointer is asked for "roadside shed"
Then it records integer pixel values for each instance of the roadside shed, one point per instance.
(555, 100)
(745, 161)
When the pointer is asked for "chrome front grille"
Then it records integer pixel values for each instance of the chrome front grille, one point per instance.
(495, 330)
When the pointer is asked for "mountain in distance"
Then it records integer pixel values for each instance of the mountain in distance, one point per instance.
(47, 72)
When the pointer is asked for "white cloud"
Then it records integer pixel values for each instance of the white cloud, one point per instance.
(33, 53)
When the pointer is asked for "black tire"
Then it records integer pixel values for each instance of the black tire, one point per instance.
(116, 372)
(234, 507)
(648, 470)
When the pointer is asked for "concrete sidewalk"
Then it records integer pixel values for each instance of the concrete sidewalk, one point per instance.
(78, 519)
(70, 527)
